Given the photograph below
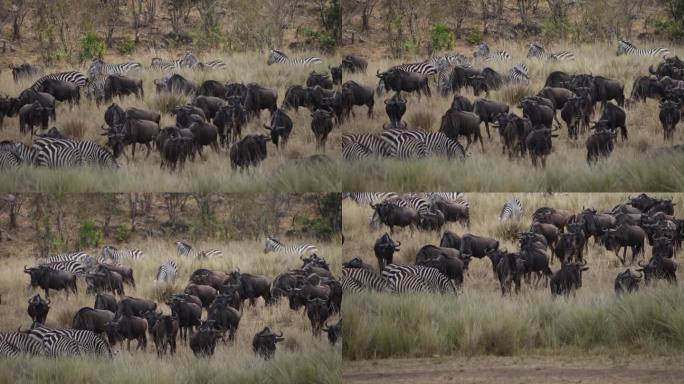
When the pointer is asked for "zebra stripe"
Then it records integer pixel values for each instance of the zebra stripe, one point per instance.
(73, 256)
(432, 143)
(365, 198)
(22, 152)
(423, 68)
(498, 56)
(537, 51)
(167, 272)
(512, 209)
(627, 48)
(11, 344)
(356, 147)
(356, 280)
(99, 67)
(278, 57)
(66, 152)
(454, 197)
(94, 88)
(73, 266)
(9, 160)
(518, 74)
(416, 279)
(72, 76)
(63, 346)
(273, 245)
(185, 249)
(117, 255)
(8, 350)
(165, 64)
(88, 341)
(212, 65)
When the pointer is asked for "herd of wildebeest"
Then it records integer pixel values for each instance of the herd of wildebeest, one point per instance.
(555, 233)
(209, 309)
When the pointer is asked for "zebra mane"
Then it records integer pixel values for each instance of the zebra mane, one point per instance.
(185, 243)
(281, 53)
(273, 240)
(625, 42)
(536, 46)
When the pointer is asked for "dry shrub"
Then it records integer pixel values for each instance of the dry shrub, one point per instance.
(75, 129)
(167, 102)
(511, 94)
(508, 230)
(642, 145)
(422, 119)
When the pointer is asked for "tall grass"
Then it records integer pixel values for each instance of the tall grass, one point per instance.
(479, 321)
(301, 358)
(641, 163)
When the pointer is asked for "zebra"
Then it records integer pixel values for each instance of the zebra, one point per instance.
(54, 153)
(95, 87)
(456, 197)
(627, 48)
(356, 280)
(407, 147)
(537, 51)
(188, 60)
(365, 198)
(518, 74)
(99, 67)
(185, 249)
(74, 256)
(76, 267)
(416, 278)
(212, 65)
(356, 147)
(62, 346)
(88, 341)
(20, 151)
(433, 143)
(110, 252)
(278, 57)
(9, 160)
(424, 68)
(512, 210)
(14, 343)
(167, 272)
(71, 76)
(483, 52)
(273, 245)
(165, 64)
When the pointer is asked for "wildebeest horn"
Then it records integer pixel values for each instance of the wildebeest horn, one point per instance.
(281, 334)
(639, 263)
(267, 127)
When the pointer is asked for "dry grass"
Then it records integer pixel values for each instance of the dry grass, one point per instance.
(280, 171)
(638, 164)
(301, 358)
(482, 322)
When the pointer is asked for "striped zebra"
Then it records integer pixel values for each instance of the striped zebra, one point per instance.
(212, 65)
(455, 197)
(99, 67)
(355, 147)
(483, 52)
(14, 343)
(167, 272)
(116, 255)
(73, 256)
(519, 74)
(365, 198)
(9, 160)
(416, 279)
(278, 57)
(54, 153)
(76, 267)
(63, 346)
(357, 280)
(424, 68)
(71, 76)
(449, 59)
(94, 88)
(185, 249)
(498, 56)
(512, 210)
(627, 48)
(432, 143)
(160, 64)
(24, 153)
(88, 342)
(537, 51)
(273, 245)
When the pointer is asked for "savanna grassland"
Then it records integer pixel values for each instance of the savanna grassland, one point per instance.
(480, 336)
(644, 162)
(301, 358)
(283, 170)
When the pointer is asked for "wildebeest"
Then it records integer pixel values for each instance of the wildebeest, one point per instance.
(119, 85)
(334, 331)
(446, 260)
(487, 111)
(296, 96)
(92, 319)
(212, 88)
(336, 74)
(384, 249)
(188, 315)
(176, 84)
(624, 236)
(61, 90)
(394, 215)
(38, 309)
(477, 246)
(509, 270)
(539, 144)
(320, 79)
(164, 330)
(203, 342)
(132, 132)
(659, 268)
(550, 233)
(264, 343)
(131, 306)
(280, 127)
(627, 282)
(459, 123)
(104, 281)
(31, 115)
(399, 80)
(558, 96)
(395, 107)
(29, 96)
(359, 95)
(599, 144)
(539, 110)
(450, 240)
(353, 64)
(321, 126)
(557, 79)
(206, 293)
(105, 301)
(568, 279)
(251, 286)
(209, 105)
(128, 328)
(47, 278)
(258, 98)
(461, 103)
(513, 130)
(317, 311)
(669, 116)
(24, 71)
(226, 318)
(229, 120)
(248, 152)
(615, 118)
(571, 113)
(204, 276)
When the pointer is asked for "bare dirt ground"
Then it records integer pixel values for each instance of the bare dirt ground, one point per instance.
(577, 367)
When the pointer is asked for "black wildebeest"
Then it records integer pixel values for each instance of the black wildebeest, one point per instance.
(264, 343)
(251, 286)
(321, 125)
(225, 317)
(647, 87)
(557, 79)
(176, 84)
(359, 95)
(334, 331)
(210, 105)
(258, 98)
(384, 249)
(29, 96)
(659, 268)
(212, 88)
(131, 306)
(38, 309)
(539, 110)
(399, 80)
(203, 276)
(353, 64)
(206, 293)
(568, 279)
(459, 123)
(539, 144)
(450, 240)
(599, 144)
(31, 115)
(105, 301)
(461, 103)
(487, 111)
(669, 116)
(188, 315)
(132, 132)
(92, 319)
(513, 130)
(320, 79)
(128, 328)
(203, 342)
(572, 116)
(296, 96)
(119, 86)
(47, 278)
(627, 282)
(558, 96)
(281, 127)
(24, 71)
(61, 90)
(248, 152)
(164, 330)
(395, 107)
(446, 260)
(394, 215)
(461, 77)
(104, 281)
(229, 120)
(477, 246)
(624, 236)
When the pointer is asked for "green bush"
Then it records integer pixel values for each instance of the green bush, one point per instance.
(440, 37)
(92, 46)
(671, 28)
(475, 37)
(323, 39)
(126, 46)
(89, 235)
(123, 233)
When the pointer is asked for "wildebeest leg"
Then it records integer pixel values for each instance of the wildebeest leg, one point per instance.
(149, 150)
(489, 136)
(133, 151)
(479, 136)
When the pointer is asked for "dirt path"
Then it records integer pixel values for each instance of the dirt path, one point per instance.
(543, 369)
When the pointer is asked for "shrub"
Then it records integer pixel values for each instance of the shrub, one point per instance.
(424, 120)
(92, 46)
(475, 37)
(323, 39)
(74, 128)
(440, 37)
(126, 46)
(123, 233)
(89, 236)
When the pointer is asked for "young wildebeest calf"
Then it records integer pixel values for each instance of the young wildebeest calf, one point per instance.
(669, 117)
(321, 125)
(264, 343)
(568, 279)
